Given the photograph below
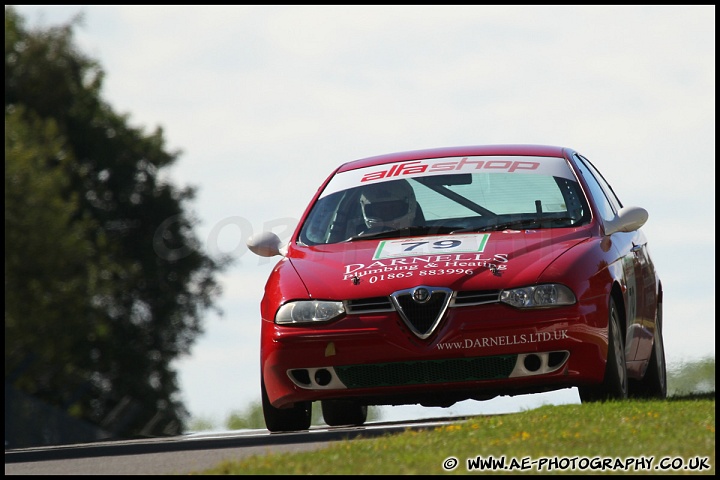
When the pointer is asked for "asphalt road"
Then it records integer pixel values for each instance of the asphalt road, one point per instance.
(188, 453)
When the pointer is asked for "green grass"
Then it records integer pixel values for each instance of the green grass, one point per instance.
(681, 428)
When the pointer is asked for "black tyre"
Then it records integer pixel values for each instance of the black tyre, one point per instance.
(291, 419)
(615, 382)
(338, 413)
(654, 383)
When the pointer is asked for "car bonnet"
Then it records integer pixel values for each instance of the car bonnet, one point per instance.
(481, 261)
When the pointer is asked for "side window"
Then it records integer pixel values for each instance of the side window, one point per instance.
(609, 192)
(605, 209)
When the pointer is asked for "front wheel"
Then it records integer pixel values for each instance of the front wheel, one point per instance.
(297, 417)
(615, 382)
(338, 413)
(654, 383)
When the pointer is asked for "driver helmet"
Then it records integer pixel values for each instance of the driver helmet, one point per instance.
(389, 204)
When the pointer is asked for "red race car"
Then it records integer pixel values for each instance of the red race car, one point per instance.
(435, 276)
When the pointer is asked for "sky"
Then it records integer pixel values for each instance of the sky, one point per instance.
(265, 101)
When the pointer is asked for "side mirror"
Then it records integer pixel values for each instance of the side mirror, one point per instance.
(265, 244)
(628, 219)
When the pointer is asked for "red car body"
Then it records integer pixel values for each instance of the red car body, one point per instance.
(423, 316)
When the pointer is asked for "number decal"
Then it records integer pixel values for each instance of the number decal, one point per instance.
(431, 245)
(440, 244)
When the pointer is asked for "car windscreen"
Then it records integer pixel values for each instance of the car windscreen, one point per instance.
(425, 197)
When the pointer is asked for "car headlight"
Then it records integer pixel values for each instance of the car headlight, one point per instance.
(309, 311)
(549, 295)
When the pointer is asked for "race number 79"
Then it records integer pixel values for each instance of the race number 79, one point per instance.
(439, 244)
(429, 245)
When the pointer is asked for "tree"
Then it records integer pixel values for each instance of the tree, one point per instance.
(105, 281)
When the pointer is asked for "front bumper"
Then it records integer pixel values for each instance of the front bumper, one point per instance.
(476, 352)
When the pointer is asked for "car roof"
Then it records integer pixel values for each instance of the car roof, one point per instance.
(471, 150)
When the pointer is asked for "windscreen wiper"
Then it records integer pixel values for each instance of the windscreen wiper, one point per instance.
(402, 232)
(523, 222)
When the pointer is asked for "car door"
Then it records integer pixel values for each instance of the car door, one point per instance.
(638, 273)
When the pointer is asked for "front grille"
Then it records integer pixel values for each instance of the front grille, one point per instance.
(369, 305)
(427, 371)
(475, 297)
(422, 316)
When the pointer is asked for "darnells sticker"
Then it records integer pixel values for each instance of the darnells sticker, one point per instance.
(500, 340)
(425, 266)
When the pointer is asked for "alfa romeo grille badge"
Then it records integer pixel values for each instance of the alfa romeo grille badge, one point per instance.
(421, 295)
